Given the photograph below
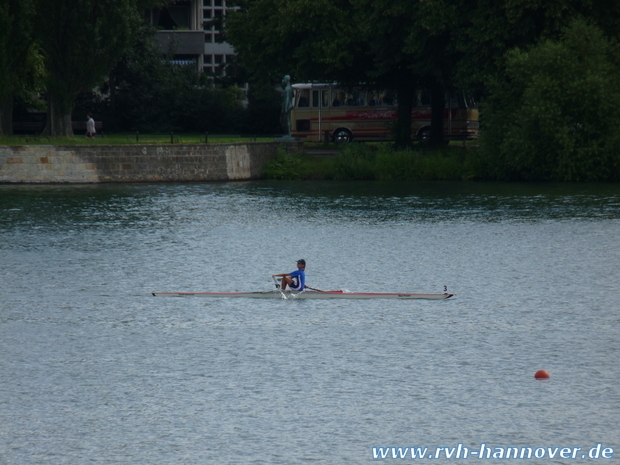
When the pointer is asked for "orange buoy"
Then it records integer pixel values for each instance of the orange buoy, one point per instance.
(542, 374)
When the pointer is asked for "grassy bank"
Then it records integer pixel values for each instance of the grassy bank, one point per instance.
(381, 162)
(353, 161)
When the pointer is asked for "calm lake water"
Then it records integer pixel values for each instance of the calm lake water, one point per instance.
(93, 369)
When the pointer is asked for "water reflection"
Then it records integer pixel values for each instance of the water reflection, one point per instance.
(96, 369)
(140, 206)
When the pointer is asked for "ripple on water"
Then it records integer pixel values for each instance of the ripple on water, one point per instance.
(96, 369)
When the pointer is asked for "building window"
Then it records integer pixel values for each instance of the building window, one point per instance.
(208, 38)
(174, 17)
(184, 60)
(180, 16)
(218, 59)
(206, 14)
(218, 3)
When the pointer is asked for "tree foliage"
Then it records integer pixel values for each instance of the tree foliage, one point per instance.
(19, 61)
(150, 94)
(551, 110)
(400, 44)
(491, 28)
(262, 113)
(397, 44)
(394, 44)
(555, 112)
(81, 40)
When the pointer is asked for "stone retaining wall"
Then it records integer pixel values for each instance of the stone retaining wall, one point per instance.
(134, 163)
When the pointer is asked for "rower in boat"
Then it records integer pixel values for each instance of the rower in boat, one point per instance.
(296, 281)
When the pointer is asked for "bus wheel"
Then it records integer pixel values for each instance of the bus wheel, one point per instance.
(342, 136)
(424, 136)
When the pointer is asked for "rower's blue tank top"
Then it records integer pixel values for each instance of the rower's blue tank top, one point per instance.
(301, 278)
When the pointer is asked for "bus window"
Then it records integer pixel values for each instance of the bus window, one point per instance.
(458, 99)
(374, 99)
(325, 102)
(468, 100)
(455, 101)
(339, 98)
(350, 101)
(425, 98)
(304, 98)
(355, 98)
(389, 99)
(323, 95)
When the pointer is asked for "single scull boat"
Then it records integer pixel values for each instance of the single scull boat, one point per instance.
(308, 294)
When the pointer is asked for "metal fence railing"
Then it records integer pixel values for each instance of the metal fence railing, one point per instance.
(204, 138)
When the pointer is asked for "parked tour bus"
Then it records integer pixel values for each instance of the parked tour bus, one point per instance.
(326, 111)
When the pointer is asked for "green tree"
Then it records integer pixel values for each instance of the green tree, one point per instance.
(18, 56)
(421, 38)
(81, 40)
(555, 112)
(262, 115)
(393, 44)
(491, 28)
(150, 94)
(400, 44)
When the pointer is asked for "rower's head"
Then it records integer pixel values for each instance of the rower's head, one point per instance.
(301, 263)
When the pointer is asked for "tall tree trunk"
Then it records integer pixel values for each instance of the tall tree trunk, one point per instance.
(438, 107)
(402, 129)
(58, 121)
(6, 116)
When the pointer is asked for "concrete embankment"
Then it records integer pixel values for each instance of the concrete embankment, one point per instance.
(38, 164)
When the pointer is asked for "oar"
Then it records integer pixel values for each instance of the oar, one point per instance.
(313, 289)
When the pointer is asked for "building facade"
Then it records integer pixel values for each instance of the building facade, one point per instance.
(190, 28)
